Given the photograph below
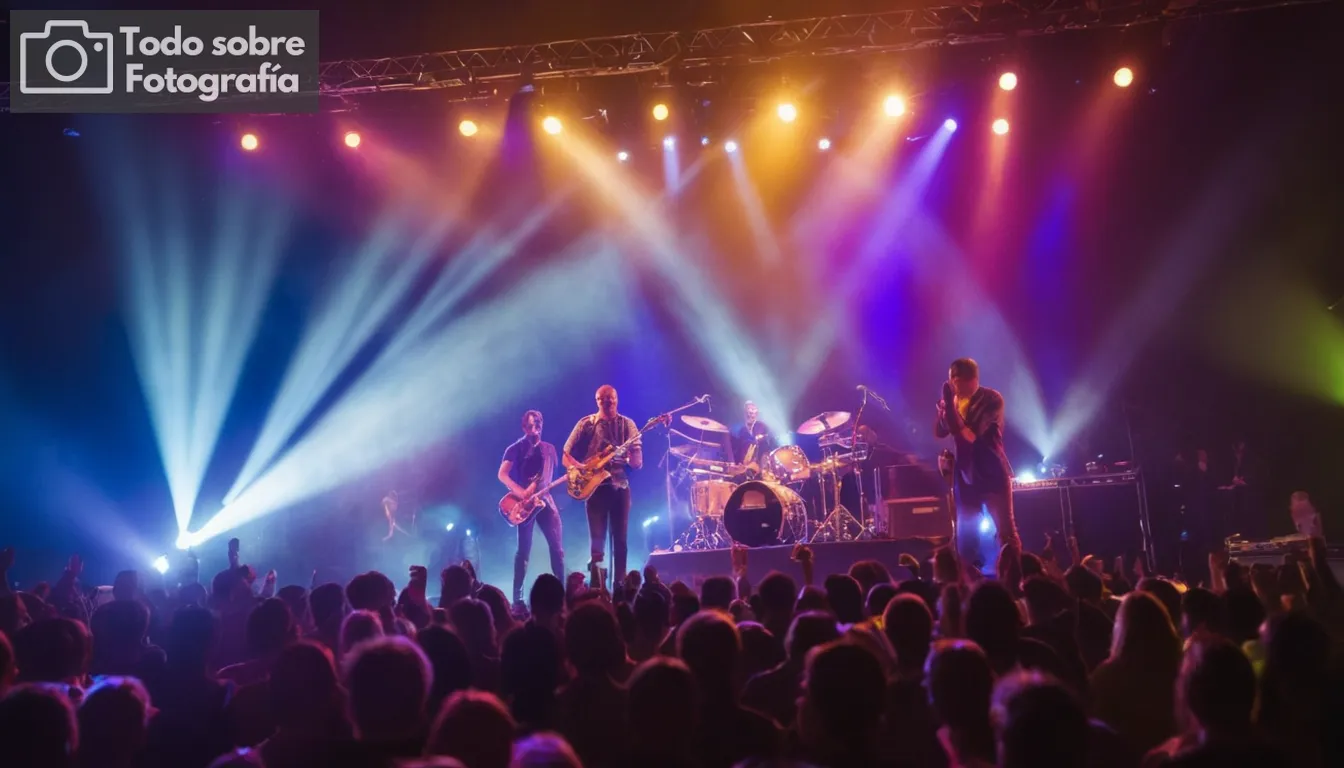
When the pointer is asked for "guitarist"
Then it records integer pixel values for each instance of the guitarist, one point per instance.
(752, 441)
(609, 506)
(529, 464)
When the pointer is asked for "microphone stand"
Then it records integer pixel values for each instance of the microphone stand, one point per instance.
(666, 420)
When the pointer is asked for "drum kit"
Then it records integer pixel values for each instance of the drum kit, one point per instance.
(760, 503)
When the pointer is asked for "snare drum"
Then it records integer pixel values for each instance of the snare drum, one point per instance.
(759, 514)
(789, 464)
(709, 497)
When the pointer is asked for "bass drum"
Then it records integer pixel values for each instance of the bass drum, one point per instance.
(759, 514)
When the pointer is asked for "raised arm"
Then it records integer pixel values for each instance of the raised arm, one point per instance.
(940, 429)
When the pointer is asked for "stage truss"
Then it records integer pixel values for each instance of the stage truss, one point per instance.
(474, 73)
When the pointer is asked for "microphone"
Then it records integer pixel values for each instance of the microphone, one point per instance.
(864, 389)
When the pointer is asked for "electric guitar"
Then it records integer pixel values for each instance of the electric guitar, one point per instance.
(586, 477)
(517, 510)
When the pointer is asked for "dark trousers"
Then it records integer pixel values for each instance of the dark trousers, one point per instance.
(548, 519)
(971, 504)
(609, 508)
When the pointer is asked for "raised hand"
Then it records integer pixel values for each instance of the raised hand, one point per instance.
(947, 392)
(270, 576)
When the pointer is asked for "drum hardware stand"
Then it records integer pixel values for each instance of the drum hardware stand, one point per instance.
(839, 521)
(705, 533)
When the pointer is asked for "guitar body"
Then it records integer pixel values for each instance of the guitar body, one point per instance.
(584, 483)
(517, 510)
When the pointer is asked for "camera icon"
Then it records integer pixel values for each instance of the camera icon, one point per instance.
(85, 65)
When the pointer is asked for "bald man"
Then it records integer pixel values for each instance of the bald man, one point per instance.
(609, 506)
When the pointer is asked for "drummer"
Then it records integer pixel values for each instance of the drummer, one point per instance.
(751, 441)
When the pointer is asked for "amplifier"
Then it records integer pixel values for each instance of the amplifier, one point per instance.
(919, 517)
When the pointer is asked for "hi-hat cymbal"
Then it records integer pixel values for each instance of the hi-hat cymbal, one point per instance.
(823, 422)
(706, 425)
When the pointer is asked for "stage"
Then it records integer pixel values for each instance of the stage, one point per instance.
(829, 557)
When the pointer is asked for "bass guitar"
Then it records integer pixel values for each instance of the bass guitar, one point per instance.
(517, 510)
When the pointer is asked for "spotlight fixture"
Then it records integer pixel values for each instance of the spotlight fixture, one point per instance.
(1008, 81)
(660, 112)
(623, 156)
(787, 112)
(551, 125)
(468, 128)
(161, 564)
(669, 142)
(824, 144)
(449, 528)
(1124, 77)
(183, 541)
(949, 124)
(352, 139)
(1000, 126)
(894, 106)
(704, 141)
(249, 141)
(730, 146)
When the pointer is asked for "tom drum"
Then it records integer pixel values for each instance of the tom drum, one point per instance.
(790, 464)
(709, 497)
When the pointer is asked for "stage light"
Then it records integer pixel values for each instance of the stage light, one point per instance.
(468, 128)
(351, 139)
(650, 521)
(986, 527)
(949, 124)
(894, 106)
(660, 112)
(704, 141)
(161, 563)
(551, 125)
(1124, 77)
(250, 141)
(183, 540)
(787, 112)
(1000, 126)
(1026, 477)
(669, 142)
(824, 144)
(623, 156)
(1008, 81)
(730, 146)
(468, 531)
(450, 527)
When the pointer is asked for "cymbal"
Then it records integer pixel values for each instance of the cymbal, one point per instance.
(687, 451)
(706, 425)
(823, 422)
(684, 436)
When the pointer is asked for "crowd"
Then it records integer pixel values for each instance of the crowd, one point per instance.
(1085, 666)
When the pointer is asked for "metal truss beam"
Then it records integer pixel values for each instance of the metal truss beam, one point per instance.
(471, 73)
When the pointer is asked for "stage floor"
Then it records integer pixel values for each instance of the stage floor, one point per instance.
(828, 558)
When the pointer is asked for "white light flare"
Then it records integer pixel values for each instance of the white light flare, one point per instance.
(195, 287)
(445, 384)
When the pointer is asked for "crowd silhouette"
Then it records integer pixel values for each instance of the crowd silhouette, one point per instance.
(933, 666)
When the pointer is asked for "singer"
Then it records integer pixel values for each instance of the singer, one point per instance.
(973, 416)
